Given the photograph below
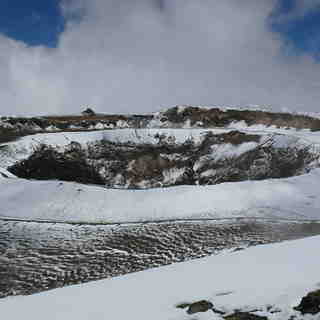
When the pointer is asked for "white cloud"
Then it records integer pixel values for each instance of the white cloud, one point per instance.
(139, 55)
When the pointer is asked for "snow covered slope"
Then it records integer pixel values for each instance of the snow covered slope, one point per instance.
(5, 174)
(270, 278)
(291, 198)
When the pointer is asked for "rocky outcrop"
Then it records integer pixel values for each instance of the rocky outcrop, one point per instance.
(216, 117)
(176, 117)
(227, 157)
(17, 127)
(310, 304)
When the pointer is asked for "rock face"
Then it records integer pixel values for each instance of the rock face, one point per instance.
(46, 163)
(216, 158)
(12, 127)
(310, 304)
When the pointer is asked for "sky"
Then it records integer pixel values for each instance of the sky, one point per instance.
(139, 56)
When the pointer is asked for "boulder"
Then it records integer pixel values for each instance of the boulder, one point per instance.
(88, 112)
(200, 306)
(310, 303)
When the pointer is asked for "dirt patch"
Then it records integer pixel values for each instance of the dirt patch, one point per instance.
(97, 117)
(244, 316)
(234, 137)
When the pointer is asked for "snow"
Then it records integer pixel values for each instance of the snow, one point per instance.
(173, 174)
(5, 174)
(275, 276)
(228, 150)
(292, 198)
(306, 134)
(24, 147)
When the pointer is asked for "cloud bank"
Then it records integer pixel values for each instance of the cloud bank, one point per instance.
(131, 56)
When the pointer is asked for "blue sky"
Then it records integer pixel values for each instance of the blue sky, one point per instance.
(34, 21)
(39, 22)
(302, 33)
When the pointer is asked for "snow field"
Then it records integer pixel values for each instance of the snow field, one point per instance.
(273, 276)
(293, 198)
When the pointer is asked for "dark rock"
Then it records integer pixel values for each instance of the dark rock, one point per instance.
(48, 164)
(310, 303)
(238, 249)
(88, 112)
(244, 316)
(200, 306)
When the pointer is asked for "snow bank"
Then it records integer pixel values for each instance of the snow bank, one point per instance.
(276, 275)
(292, 198)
